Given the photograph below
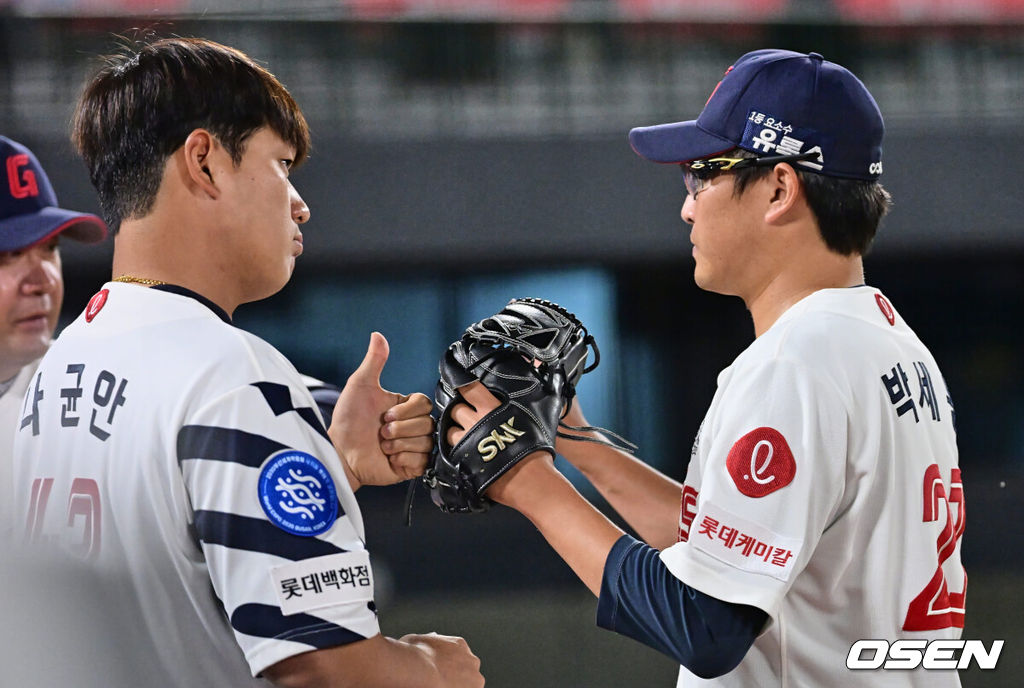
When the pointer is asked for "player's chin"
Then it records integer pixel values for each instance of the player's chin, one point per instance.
(25, 347)
(286, 270)
(701, 277)
(270, 284)
(283, 281)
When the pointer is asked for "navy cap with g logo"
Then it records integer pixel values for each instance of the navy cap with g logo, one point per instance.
(779, 102)
(29, 212)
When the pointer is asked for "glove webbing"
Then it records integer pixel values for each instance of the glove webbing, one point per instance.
(492, 336)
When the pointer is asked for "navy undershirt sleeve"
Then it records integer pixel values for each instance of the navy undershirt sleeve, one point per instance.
(641, 599)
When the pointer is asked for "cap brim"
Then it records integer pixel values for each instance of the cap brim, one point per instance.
(21, 231)
(676, 142)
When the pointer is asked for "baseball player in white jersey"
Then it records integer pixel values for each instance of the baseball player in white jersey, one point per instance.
(185, 459)
(31, 283)
(823, 502)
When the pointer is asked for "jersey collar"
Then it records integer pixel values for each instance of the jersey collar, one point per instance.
(182, 291)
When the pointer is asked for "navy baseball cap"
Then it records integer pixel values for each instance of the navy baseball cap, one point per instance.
(28, 205)
(779, 102)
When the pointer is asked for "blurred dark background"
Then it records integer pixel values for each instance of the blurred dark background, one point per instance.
(467, 152)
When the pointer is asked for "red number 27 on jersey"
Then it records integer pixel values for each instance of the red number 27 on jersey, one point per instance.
(936, 607)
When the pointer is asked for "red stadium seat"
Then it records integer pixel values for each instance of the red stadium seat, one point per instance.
(491, 9)
(899, 11)
(701, 9)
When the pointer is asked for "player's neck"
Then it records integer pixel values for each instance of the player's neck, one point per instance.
(802, 278)
(153, 249)
(9, 370)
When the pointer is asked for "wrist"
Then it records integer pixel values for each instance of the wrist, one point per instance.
(350, 474)
(422, 661)
(574, 448)
(581, 453)
(522, 484)
(538, 486)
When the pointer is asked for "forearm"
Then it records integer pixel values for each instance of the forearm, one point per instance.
(377, 662)
(647, 499)
(578, 532)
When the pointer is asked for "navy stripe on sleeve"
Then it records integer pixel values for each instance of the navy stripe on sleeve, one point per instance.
(266, 621)
(279, 398)
(258, 535)
(224, 444)
(641, 599)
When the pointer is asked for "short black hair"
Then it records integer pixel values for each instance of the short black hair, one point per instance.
(142, 105)
(848, 211)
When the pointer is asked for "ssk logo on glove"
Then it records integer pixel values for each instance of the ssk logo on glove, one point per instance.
(498, 439)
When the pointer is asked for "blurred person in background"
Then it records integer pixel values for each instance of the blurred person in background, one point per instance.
(54, 615)
(185, 457)
(31, 284)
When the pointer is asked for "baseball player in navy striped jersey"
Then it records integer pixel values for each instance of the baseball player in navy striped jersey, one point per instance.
(184, 458)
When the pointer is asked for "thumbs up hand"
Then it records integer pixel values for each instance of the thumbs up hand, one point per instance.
(383, 437)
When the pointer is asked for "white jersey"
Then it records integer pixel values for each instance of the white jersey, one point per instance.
(10, 409)
(184, 458)
(824, 489)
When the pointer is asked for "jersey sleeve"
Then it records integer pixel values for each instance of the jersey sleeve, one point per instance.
(641, 599)
(772, 462)
(277, 522)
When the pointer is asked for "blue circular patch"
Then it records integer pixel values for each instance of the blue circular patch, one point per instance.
(297, 493)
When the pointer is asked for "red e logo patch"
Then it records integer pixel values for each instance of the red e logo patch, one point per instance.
(886, 309)
(761, 462)
(96, 304)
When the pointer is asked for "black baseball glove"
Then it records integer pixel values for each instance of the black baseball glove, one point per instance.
(530, 356)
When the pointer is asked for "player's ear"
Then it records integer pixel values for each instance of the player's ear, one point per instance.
(199, 149)
(785, 192)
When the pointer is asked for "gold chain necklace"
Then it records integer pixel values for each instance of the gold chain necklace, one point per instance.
(137, 280)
